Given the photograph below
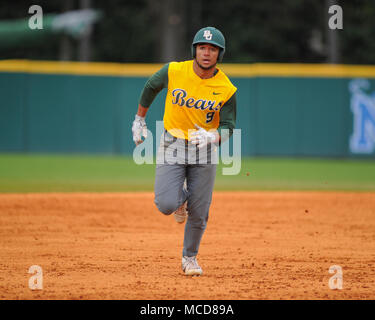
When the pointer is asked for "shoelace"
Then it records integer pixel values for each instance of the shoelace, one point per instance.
(192, 263)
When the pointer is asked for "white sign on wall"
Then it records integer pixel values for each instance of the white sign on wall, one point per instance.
(362, 104)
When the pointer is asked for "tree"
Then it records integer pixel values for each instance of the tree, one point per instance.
(256, 31)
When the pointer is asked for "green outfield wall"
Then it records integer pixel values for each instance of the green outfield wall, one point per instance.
(283, 110)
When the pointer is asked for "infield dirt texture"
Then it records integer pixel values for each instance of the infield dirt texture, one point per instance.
(258, 245)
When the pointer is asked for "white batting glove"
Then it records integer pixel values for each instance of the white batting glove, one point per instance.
(139, 129)
(201, 137)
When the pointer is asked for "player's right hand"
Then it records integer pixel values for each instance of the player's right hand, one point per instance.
(139, 129)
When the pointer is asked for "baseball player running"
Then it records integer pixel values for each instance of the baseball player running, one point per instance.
(200, 102)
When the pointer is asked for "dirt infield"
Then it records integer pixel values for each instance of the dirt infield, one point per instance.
(258, 245)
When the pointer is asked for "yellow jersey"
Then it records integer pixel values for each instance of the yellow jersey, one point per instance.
(192, 100)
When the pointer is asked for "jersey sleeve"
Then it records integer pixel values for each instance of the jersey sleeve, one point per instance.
(157, 82)
(228, 116)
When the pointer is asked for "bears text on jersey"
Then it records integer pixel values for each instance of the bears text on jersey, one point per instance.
(180, 98)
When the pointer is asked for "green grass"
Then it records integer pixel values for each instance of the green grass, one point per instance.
(302, 174)
(74, 173)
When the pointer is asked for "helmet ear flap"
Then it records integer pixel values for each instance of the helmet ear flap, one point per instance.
(221, 54)
(193, 50)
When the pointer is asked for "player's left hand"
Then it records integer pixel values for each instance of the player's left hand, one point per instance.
(201, 137)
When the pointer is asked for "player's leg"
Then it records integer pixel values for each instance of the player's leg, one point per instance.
(169, 191)
(170, 175)
(200, 183)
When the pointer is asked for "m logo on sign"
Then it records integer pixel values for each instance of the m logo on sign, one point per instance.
(207, 34)
(362, 105)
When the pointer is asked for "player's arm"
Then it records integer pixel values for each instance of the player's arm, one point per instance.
(153, 86)
(157, 82)
(228, 117)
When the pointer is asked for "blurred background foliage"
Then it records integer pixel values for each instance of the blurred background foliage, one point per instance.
(162, 30)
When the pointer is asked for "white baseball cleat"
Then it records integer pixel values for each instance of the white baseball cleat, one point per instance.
(190, 266)
(181, 213)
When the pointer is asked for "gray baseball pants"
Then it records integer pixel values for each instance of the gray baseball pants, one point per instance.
(170, 193)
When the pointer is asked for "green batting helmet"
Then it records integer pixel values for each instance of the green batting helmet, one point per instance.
(212, 36)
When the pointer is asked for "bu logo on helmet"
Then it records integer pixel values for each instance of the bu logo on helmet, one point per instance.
(207, 34)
